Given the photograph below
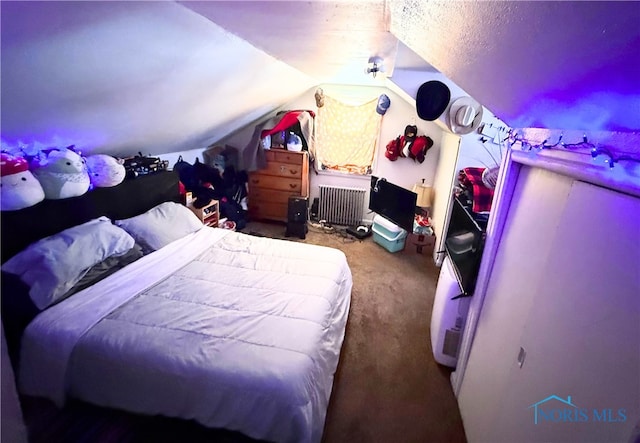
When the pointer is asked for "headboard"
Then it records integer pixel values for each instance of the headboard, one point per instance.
(132, 197)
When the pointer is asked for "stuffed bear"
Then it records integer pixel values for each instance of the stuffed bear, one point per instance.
(62, 173)
(419, 148)
(105, 171)
(18, 187)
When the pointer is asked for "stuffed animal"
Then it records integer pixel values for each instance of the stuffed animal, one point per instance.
(105, 171)
(62, 174)
(411, 146)
(419, 148)
(18, 187)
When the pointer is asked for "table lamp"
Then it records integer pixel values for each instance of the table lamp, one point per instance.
(424, 196)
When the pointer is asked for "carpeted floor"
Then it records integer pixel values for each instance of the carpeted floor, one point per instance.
(388, 388)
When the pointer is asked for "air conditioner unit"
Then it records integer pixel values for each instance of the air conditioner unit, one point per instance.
(448, 317)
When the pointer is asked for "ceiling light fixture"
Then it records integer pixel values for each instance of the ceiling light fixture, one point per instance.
(375, 66)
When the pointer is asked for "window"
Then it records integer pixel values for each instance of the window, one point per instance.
(346, 136)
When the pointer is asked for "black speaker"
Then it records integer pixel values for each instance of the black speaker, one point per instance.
(297, 217)
(297, 209)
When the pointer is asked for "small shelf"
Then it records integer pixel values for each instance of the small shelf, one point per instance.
(209, 215)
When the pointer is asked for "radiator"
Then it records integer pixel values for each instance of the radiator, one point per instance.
(341, 206)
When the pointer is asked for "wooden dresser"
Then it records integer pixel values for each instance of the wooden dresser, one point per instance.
(286, 174)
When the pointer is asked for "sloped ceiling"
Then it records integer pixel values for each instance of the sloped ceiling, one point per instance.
(554, 64)
(563, 64)
(327, 40)
(123, 77)
(165, 76)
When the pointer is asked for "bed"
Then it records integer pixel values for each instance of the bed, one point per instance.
(230, 330)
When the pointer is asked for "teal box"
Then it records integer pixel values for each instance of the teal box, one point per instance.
(388, 235)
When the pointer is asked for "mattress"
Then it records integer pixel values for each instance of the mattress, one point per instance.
(232, 331)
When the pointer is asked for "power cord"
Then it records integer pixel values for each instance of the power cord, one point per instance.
(324, 227)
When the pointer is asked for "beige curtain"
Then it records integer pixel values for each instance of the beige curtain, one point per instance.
(346, 135)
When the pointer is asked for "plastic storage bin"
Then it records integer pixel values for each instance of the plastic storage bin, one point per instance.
(387, 234)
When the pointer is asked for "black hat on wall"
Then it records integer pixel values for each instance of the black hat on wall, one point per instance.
(432, 99)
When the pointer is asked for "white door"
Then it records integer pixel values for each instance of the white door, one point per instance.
(582, 333)
(521, 257)
(566, 289)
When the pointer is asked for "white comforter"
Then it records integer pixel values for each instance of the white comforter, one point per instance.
(233, 331)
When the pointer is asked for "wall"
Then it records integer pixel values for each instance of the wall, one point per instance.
(403, 172)
(460, 151)
(472, 151)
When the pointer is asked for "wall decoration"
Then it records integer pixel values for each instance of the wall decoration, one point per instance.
(465, 115)
(410, 145)
(319, 95)
(595, 150)
(384, 102)
(432, 100)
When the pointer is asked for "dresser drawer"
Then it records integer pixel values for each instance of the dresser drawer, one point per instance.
(284, 170)
(281, 156)
(266, 210)
(270, 195)
(273, 182)
(286, 175)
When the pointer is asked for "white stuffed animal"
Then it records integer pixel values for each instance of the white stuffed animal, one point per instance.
(62, 174)
(18, 187)
(105, 171)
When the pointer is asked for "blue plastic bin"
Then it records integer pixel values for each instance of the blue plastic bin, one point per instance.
(388, 235)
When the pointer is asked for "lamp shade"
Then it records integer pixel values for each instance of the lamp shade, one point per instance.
(424, 195)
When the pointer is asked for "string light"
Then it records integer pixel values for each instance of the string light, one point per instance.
(527, 145)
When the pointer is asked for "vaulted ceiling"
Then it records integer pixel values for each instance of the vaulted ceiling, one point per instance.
(177, 75)
(568, 64)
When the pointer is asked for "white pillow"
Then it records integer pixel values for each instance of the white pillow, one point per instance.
(53, 265)
(161, 225)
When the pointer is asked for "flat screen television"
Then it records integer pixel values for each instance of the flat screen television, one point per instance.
(464, 244)
(393, 202)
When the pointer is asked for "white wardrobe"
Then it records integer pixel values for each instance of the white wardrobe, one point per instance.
(557, 308)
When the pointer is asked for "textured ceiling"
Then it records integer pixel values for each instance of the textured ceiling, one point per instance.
(165, 76)
(329, 41)
(570, 64)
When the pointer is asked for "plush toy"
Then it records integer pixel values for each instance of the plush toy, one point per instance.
(18, 187)
(105, 171)
(62, 174)
(409, 145)
(419, 148)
